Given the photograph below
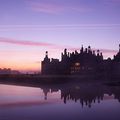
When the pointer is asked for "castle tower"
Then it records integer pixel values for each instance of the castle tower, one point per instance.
(89, 49)
(46, 54)
(46, 59)
(82, 49)
(93, 52)
(98, 52)
(65, 52)
(101, 55)
(64, 55)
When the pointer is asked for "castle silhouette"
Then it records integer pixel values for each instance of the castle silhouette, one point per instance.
(84, 62)
(79, 92)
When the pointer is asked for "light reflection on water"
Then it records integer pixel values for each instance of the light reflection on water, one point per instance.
(67, 101)
(16, 95)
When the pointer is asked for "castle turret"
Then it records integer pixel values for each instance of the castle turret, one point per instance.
(101, 56)
(89, 49)
(98, 52)
(65, 51)
(93, 52)
(119, 48)
(76, 53)
(86, 50)
(46, 59)
(81, 51)
(64, 55)
(46, 54)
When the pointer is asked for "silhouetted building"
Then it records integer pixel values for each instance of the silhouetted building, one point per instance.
(85, 62)
(116, 64)
(8, 71)
(5, 71)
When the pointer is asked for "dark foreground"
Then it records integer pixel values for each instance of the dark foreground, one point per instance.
(57, 79)
(75, 98)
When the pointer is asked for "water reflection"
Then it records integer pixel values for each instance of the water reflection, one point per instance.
(11, 95)
(60, 101)
(85, 93)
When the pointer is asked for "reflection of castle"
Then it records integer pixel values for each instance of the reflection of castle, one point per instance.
(86, 94)
(84, 62)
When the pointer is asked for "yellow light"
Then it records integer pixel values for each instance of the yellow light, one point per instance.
(77, 64)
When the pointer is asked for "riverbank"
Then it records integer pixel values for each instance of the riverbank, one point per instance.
(26, 79)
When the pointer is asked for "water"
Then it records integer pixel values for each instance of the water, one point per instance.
(84, 101)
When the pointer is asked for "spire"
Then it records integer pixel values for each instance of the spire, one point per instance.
(86, 50)
(45, 91)
(81, 51)
(93, 52)
(65, 51)
(119, 47)
(101, 55)
(98, 51)
(46, 59)
(46, 54)
(89, 49)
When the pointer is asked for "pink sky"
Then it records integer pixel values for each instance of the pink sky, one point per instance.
(28, 28)
(30, 60)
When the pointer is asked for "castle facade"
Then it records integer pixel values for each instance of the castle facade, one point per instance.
(86, 61)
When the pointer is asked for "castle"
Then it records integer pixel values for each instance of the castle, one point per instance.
(86, 61)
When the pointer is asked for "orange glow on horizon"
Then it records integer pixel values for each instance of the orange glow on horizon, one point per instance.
(25, 60)
(22, 66)
(28, 62)
(29, 58)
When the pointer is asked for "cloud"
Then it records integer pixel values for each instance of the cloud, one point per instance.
(28, 43)
(108, 51)
(56, 7)
(58, 27)
(52, 46)
(45, 7)
(112, 2)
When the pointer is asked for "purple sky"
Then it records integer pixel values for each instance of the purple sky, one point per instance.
(30, 27)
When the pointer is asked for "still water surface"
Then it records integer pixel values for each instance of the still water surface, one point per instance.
(60, 102)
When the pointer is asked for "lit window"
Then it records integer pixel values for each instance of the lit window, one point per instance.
(77, 64)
